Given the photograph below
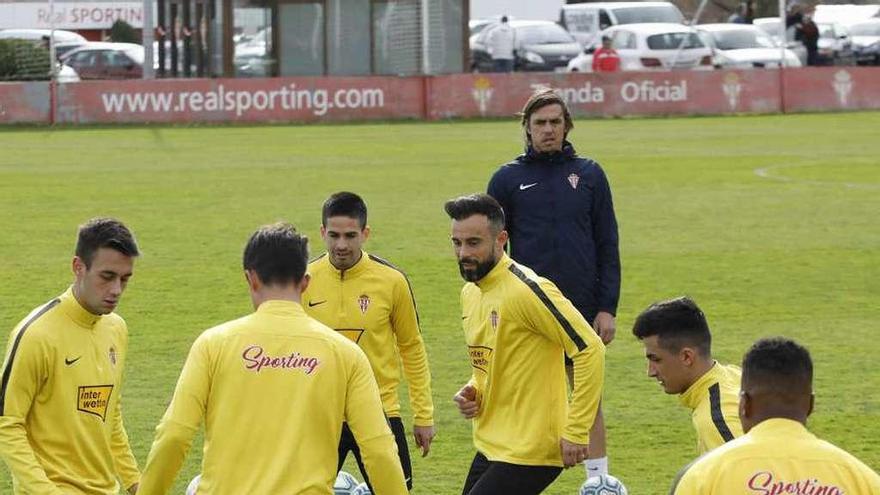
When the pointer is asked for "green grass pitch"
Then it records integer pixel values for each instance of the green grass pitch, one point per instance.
(771, 223)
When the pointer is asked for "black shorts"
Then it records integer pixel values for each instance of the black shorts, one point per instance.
(347, 443)
(492, 478)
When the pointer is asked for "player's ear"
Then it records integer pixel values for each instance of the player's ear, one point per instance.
(366, 232)
(812, 404)
(252, 279)
(304, 283)
(687, 355)
(323, 232)
(745, 406)
(78, 266)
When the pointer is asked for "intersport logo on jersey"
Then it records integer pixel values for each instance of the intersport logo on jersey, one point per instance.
(764, 483)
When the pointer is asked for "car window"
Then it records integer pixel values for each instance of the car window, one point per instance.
(116, 59)
(672, 41)
(545, 34)
(580, 21)
(658, 13)
(741, 39)
(604, 20)
(82, 59)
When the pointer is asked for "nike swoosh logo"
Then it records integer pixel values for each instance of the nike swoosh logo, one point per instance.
(523, 187)
(313, 304)
(68, 362)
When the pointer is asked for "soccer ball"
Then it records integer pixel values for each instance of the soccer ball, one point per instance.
(361, 489)
(193, 485)
(345, 484)
(604, 484)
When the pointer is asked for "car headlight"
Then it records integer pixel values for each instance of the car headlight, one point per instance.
(534, 58)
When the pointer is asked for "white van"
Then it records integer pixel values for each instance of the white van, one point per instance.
(585, 20)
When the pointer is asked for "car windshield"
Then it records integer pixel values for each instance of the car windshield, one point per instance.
(671, 41)
(826, 30)
(547, 34)
(868, 29)
(741, 39)
(633, 15)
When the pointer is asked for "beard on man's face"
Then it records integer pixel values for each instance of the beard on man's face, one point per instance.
(477, 270)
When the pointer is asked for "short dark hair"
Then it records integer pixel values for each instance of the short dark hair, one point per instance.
(779, 365)
(277, 253)
(464, 207)
(100, 233)
(345, 204)
(677, 323)
(540, 99)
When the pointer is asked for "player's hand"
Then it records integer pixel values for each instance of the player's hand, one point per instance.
(605, 326)
(423, 435)
(466, 399)
(573, 453)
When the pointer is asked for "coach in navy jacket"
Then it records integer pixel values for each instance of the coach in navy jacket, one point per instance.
(561, 222)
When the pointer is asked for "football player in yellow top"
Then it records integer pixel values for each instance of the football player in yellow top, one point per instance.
(61, 429)
(370, 301)
(678, 347)
(273, 388)
(518, 327)
(777, 454)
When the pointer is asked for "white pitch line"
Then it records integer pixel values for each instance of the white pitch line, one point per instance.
(765, 173)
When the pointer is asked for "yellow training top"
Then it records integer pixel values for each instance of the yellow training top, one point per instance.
(61, 429)
(372, 304)
(517, 327)
(778, 456)
(714, 400)
(274, 388)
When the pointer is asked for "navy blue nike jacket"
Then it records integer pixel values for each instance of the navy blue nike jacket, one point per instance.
(561, 222)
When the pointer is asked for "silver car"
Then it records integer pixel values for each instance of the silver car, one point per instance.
(743, 46)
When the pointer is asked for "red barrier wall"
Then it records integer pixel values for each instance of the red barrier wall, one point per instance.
(647, 93)
(314, 99)
(24, 103)
(832, 88)
(242, 100)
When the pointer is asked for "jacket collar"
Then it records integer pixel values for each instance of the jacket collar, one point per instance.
(698, 390)
(352, 271)
(280, 307)
(80, 315)
(567, 153)
(495, 274)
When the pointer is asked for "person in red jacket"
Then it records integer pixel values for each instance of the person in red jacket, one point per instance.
(606, 59)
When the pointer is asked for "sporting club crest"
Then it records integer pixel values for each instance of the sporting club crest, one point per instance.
(843, 85)
(573, 179)
(732, 89)
(482, 93)
(112, 355)
(364, 303)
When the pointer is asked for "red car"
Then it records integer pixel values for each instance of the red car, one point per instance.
(107, 61)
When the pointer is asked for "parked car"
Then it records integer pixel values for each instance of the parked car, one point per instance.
(651, 46)
(65, 41)
(835, 47)
(585, 20)
(101, 60)
(865, 37)
(743, 46)
(771, 26)
(539, 46)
